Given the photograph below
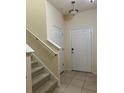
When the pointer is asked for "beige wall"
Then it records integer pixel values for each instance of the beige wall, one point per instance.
(54, 18)
(36, 23)
(42, 16)
(36, 17)
(83, 19)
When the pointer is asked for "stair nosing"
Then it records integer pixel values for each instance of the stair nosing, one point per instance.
(38, 80)
(33, 62)
(36, 69)
(46, 88)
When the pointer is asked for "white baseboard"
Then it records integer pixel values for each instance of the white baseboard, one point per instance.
(94, 73)
(67, 68)
(70, 69)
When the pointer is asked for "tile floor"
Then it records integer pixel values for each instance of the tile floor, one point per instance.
(77, 82)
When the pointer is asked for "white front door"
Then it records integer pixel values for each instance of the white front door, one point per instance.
(81, 49)
(57, 36)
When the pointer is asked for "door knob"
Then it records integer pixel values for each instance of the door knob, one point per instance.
(72, 50)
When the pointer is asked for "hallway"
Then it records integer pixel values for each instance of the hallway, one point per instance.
(77, 82)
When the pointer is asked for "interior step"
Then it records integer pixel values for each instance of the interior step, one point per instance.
(48, 87)
(40, 80)
(34, 64)
(36, 71)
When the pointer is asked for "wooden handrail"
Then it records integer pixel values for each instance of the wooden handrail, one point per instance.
(43, 43)
(54, 44)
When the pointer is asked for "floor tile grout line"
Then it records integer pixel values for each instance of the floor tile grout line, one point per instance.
(68, 85)
(71, 81)
(83, 85)
(73, 75)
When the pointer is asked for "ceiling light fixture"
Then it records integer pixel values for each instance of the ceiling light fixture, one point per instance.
(91, 1)
(73, 11)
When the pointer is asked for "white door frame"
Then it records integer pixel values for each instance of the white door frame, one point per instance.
(61, 63)
(91, 32)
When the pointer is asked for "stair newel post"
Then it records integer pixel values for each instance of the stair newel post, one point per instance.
(29, 52)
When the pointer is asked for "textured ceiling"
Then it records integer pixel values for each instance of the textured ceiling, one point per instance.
(65, 5)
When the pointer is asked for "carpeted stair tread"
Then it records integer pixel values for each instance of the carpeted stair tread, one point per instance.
(48, 87)
(39, 78)
(37, 69)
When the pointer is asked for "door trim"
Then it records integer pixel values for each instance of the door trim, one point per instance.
(91, 32)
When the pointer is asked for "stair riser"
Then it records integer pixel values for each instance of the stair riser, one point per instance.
(33, 58)
(33, 65)
(40, 83)
(52, 88)
(37, 73)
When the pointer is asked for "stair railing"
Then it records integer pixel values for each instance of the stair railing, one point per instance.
(43, 43)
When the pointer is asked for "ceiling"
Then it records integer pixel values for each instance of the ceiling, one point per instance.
(65, 5)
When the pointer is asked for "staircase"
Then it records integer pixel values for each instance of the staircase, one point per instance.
(42, 80)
